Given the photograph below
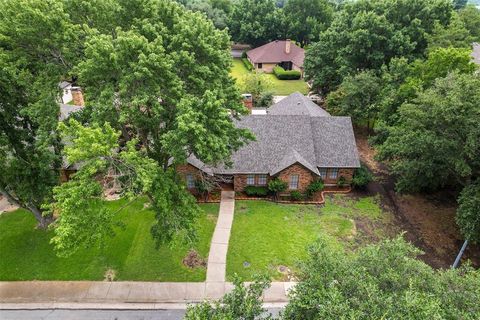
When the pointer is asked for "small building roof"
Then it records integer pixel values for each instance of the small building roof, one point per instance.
(62, 85)
(297, 104)
(476, 52)
(66, 110)
(274, 52)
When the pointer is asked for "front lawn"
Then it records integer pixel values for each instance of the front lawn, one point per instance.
(266, 235)
(280, 87)
(25, 253)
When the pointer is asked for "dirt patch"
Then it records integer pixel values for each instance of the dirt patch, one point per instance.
(193, 260)
(427, 219)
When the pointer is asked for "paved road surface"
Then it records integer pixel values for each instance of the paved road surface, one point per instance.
(97, 314)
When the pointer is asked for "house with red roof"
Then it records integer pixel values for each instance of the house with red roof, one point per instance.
(283, 53)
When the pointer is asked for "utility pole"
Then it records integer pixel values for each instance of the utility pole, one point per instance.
(459, 256)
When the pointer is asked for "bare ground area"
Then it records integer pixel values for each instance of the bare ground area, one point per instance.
(427, 219)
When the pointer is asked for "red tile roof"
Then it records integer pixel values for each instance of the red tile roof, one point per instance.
(274, 52)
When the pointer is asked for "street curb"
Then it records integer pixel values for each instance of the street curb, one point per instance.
(109, 306)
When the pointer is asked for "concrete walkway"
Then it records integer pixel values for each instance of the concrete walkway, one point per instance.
(62, 293)
(217, 258)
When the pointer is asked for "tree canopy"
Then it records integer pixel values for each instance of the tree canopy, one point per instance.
(154, 72)
(381, 281)
(368, 34)
(436, 141)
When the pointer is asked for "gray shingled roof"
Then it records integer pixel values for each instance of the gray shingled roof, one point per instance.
(297, 131)
(66, 110)
(297, 104)
(476, 52)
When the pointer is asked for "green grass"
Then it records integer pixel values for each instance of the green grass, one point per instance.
(279, 88)
(267, 234)
(26, 254)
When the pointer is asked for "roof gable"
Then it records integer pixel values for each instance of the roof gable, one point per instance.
(297, 104)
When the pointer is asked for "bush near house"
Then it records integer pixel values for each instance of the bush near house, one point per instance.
(276, 186)
(296, 195)
(314, 186)
(255, 191)
(341, 182)
(282, 74)
(247, 64)
(362, 177)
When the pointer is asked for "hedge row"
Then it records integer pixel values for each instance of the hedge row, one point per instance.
(247, 64)
(256, 191)
(286, 75)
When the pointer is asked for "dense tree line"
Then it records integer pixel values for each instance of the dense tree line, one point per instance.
(404, 69)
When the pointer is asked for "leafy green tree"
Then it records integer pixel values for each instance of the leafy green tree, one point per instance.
(35, 39)
(470, 15)
(454, 35)
(254, 22)
(259, 86)
(307, 18)
(217, 10)
(436, 140)
(357, 97)
(440, 62)
(353, 43)
(162, 81)
(468, 212)
(380, 281)
(244, 302)
(368, 34)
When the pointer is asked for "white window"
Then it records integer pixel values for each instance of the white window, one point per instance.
(250, 179)
(323, 173)
(262, 179)
(190, 181)
(333, 173)
(293, 182)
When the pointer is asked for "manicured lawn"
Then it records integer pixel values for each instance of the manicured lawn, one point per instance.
(25, 253)
(267, 235)
(280, 87)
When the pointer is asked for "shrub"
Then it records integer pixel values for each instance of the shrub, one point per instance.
(314, 186)
(244, 54)
(247, 64)
(282, 74)
(361, 177)
(265, 100)
(341, 181)
(255, 191)
(276, 186)
(296, 195)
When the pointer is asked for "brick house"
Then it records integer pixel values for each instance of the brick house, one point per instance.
(279, 52)
(296, 141)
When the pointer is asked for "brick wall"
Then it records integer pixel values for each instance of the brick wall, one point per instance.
(240, 181)
(184, 169)
(304, 179)
(347, 173)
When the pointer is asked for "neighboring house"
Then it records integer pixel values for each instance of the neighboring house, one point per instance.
(296, 141)
(66, 88)
(71, 94)
(476, 53)
(279, 52)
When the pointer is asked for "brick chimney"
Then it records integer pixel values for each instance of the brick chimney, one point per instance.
(248, 101)
(287, 46)
(77, 96)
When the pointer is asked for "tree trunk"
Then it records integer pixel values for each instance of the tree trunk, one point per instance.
(43, 221)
